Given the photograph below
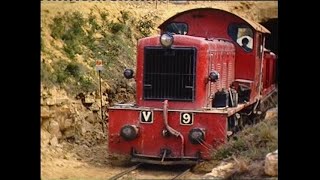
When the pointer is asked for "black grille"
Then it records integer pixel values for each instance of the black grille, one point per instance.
(169, 73)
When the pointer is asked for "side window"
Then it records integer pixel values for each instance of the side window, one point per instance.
(242, 35)
(177, 28)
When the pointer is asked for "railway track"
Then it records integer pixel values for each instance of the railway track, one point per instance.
(132, 168)
(182, 174)
(119, 175)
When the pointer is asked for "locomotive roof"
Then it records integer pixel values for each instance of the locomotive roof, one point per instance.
(253, 24)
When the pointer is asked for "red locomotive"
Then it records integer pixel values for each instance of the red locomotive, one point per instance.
(196, 83)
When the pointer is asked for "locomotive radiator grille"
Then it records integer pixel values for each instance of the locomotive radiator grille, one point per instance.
(169, 74)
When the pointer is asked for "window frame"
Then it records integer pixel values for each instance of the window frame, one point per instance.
(187, 27)
(259, 50)
(241, 25)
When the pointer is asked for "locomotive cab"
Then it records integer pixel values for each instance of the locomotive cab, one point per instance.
(192, 81)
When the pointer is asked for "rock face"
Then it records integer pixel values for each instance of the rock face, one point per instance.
(74, 120)
(272, 113)
(224, 170)
(68, 122)
(271, 164)
(53, 141)
(54, 128)
(45, 112)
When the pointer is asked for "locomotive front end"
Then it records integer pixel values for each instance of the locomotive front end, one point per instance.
(163, 136)
(168, 124)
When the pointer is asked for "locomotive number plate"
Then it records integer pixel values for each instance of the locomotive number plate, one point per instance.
(146, 116)
(186, 118)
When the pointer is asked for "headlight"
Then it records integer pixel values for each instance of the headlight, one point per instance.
(129, 132)
(166, 40)
(213, 76)
(196, 136)
(128, 73)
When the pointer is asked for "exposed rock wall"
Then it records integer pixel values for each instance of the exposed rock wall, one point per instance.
(76, 119)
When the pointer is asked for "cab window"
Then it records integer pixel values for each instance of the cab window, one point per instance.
(242, 35)
(177, 28)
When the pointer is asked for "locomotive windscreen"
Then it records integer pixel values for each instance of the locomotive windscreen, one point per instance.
(169, 73)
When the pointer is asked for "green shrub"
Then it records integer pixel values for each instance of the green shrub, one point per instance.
(69, 28)
(146, 24)
(125, 15)
(104, 15)
(45, 74)
(57, 27)
(254, 142)
(61, 77)
(116, 27)
(78, 34)
(86, 84)
(94, 26)
(128, 32)
(73, 69)
(72, 48)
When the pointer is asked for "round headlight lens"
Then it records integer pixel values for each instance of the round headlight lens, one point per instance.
(128, 73)
(213, 76)
(129, 132)
(166, 40)
(196, 136)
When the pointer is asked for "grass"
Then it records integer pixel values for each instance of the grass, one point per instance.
(86, 38)
(77, 31)
(254, 142)
(42, 42)
(71, 76)
(247, 149)
(45, 75)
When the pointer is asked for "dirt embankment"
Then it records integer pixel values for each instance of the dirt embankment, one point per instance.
(73, 135)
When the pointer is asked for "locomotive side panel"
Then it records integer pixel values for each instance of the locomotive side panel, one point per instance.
(222, 60)
(269, 72)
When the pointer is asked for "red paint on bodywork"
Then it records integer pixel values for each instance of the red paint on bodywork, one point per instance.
(150, 139)
(269, 72)
(214, 23)
(222, 54)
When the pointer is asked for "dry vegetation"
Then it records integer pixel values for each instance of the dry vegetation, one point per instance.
(247, 149)
(252, 143)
